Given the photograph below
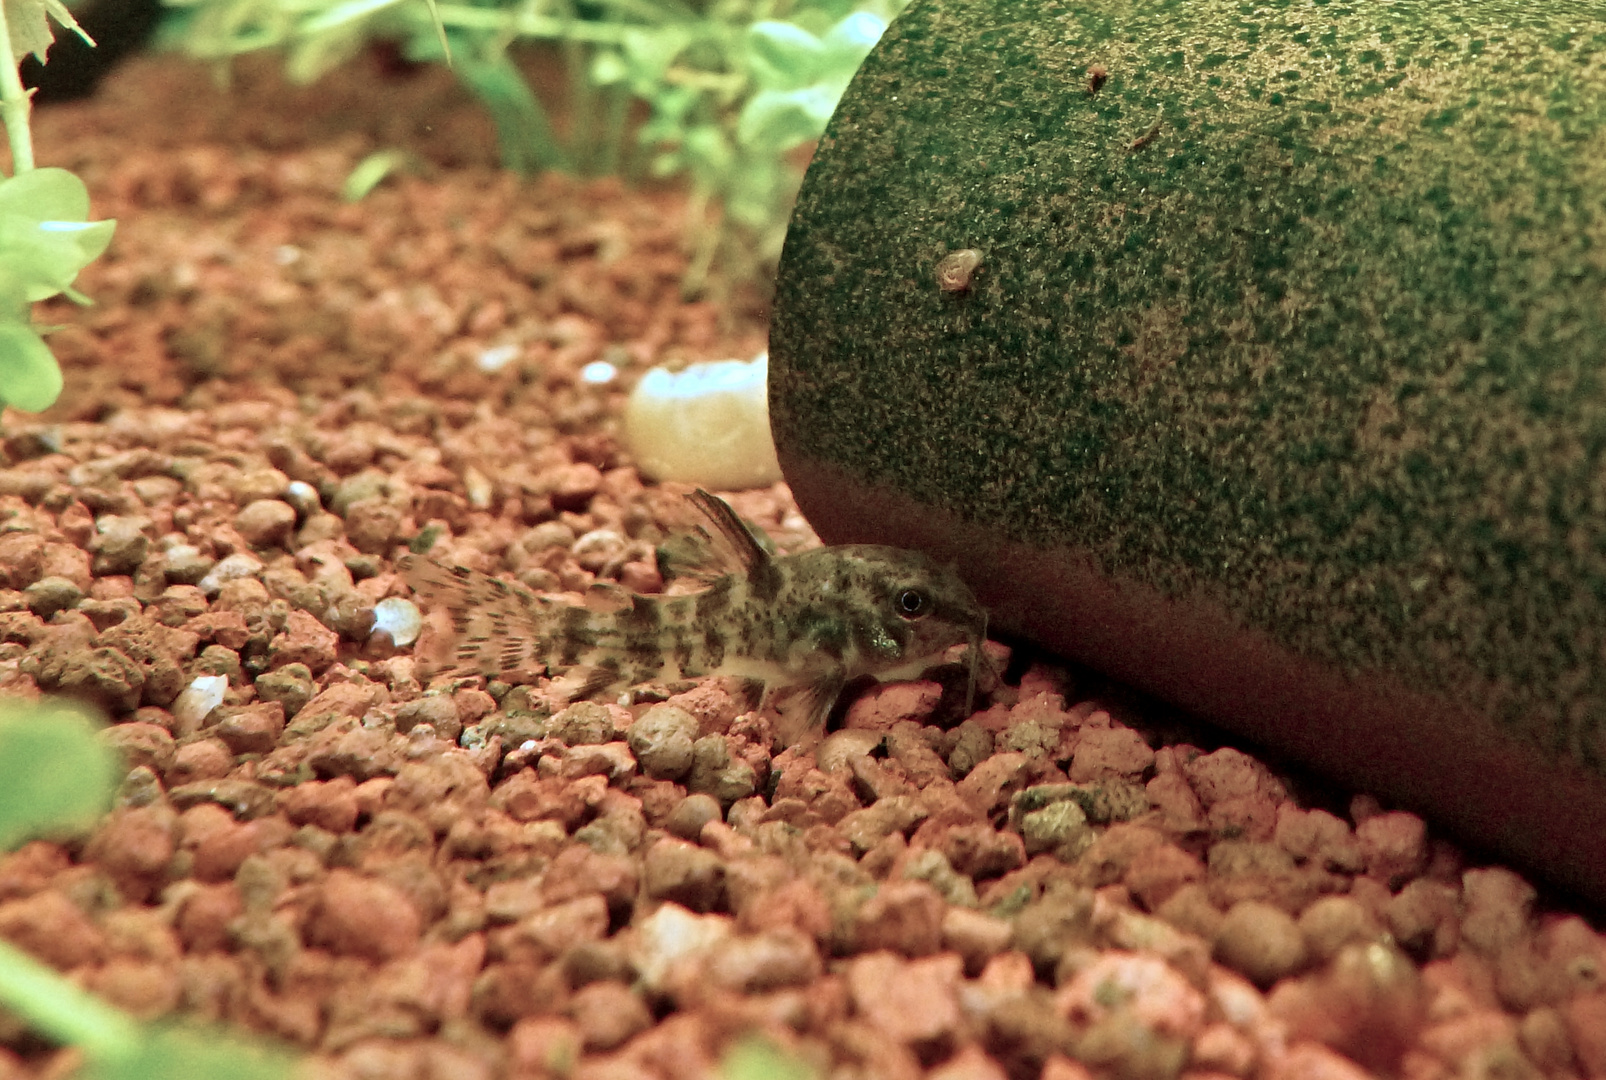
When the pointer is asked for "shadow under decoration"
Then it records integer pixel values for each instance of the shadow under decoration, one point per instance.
(1251, 355)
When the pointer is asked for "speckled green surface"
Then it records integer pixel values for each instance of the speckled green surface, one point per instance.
(1326, 347)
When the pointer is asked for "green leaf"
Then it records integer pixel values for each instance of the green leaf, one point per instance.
(776, 121)
(311, 57)
(849, 42)
(44, 195)
(782, 56)
(54, 772)
(755, 1058)
(30, 378)
(29, 30)
(648, 54)
(343, 14)
(44, 239)
(708, 152)
(174, 1053)
(608, 68)
(371, 171)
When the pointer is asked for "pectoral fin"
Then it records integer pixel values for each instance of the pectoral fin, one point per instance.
(803, 713)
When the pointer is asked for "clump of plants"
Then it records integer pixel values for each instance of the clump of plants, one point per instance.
(728, 87)
(57, 778)
(46, 236)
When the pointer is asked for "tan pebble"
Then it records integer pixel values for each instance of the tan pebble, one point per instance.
(1497, 906)
(1191, 909)
(691, 814)
(1107, 860)
(305, 640)
(882, 706)
(1378, 993)
(904, 917)
(143, 988)
(220, 854)
(571, 487)
(1250, 817)
(1010, 972)
(1519, 975)
(560, 927)
(977, 851)
(144, 744)
(1424, 918)
(1060, 1067)
(1574, 955)
(543, 1046)
(354, 915)
(134, 846)
(991, 784)
(608, 1015)
(1394, 845)
(759, 963)
(970, 1063)
(1544, 1038)
(204, 918)
(258, 484)
(1460, 1041)
(1224, 1049)
(53, 929)
(252, 729)
(691, 876)
(912, 1002)
(641, 577)
(266, 523)
(1156, 874)
(1227, 774)
(1144, 987)
(1585, 1017)
(864, 829)
(1261, 941)
(1312, 1061)
(1332, 922)
(1173, 796)
(578, 870)
(351, 699)
(1111, 753)
(1060, 920)
(975, 936)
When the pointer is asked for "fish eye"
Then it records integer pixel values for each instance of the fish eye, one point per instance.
(912, 603)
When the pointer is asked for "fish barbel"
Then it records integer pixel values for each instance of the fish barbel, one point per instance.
(813, 621)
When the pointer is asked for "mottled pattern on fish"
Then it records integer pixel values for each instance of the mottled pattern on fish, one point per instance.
(815, 620)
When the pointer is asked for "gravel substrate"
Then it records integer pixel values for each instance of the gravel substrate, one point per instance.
(278, 393)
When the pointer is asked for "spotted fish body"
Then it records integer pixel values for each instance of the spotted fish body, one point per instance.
(813, 621)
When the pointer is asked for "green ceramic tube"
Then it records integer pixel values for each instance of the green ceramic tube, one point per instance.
(1251, 352)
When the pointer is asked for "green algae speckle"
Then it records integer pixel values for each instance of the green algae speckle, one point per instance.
(1304, 311)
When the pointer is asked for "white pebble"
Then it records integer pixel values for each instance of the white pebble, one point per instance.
(599, 373)
(497, 357)
(708, 424)
(197, 700)
(672, 933)
(303, 496)
(399, 618)
(238, 565)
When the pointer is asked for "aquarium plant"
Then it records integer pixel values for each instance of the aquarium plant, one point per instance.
(46, 236)
(56, 778)
(718, 92)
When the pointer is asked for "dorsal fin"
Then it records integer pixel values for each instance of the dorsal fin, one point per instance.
(724, 546)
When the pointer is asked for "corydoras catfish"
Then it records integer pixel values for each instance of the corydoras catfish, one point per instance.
(807, 623)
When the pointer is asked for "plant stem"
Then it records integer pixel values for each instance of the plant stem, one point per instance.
(527, 24)
(62, 1011)
(14, 102)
